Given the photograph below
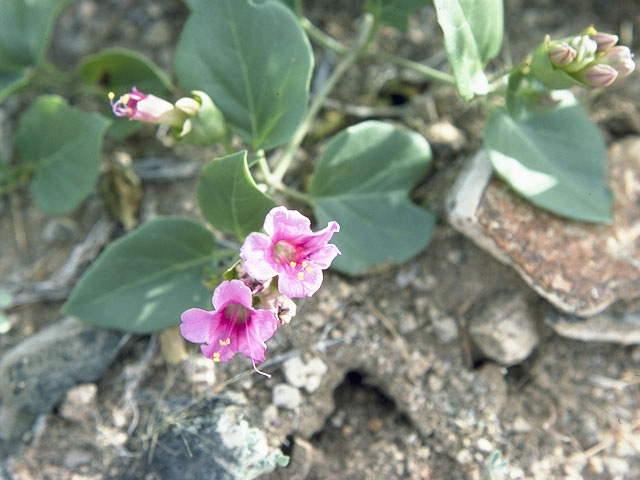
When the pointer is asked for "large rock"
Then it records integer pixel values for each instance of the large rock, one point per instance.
(214, 439)
(579, 267)
(619, 324)
(36, 373)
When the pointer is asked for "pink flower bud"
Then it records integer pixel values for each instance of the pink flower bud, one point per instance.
(599, 75)
(621, 59)
(561, 54)
(604, 40)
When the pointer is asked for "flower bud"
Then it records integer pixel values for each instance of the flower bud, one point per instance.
(599, 75)
(561, 54)
(621, 59)
(604, 40)
(188, 105)
(585, 49)
(206, 124)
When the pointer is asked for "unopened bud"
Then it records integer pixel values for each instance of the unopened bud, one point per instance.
(188, 106)
(561, 54)
(599, 75)
(585, 52)
(604, 40)
(621, 59)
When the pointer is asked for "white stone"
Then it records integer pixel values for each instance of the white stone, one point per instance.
(304, 375)
(286, 396)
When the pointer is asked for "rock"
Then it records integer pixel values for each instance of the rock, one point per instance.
(504, 330)
(286, 396)
(580, 268)
(213, 439)
(37, 372)
(619, 324)
(304, 375)
(79, 402)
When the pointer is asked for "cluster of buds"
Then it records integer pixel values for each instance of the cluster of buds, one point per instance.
(289, 251)
(592, 59)
(193, 119)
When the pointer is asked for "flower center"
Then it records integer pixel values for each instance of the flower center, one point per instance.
(284, 253)
(237, 314)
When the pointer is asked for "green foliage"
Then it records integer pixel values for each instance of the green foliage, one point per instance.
(556, 160)
(472, 36)
(253, 60)
(363, 180)
(62, 145)
(146, 279)
(25, 27)
(394, 13)
(229, 198)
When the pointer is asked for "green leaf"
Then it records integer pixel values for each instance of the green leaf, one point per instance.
(25, 28)
(253, 60)
(229, 198)
(117, 70)
(556, 160)
(363, 181)
(395, 13)
(472, 36)
(143, 281)
(63, 144)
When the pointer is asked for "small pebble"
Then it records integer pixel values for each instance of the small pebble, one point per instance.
(286, 396)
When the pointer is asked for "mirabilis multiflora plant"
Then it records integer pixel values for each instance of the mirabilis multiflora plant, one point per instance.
(290, 251)
(248, 66)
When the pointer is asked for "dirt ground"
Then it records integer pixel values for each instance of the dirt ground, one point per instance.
(406, 394)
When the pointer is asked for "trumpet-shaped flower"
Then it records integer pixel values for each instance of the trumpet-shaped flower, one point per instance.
(291, 251)
(146, 108)
(233, 326)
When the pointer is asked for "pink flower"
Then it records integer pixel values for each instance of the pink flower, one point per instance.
(291, 251)
(233, 326)
(145, 108)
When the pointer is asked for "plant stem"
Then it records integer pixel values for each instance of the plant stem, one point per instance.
(430, 73)
(331, 43)
(322, 38)
(362, 40)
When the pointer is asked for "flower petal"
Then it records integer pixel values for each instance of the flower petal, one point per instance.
(256, 253)
(281, 223)
(234, 291)
(196, 325)
(323, 257)
(320, 238)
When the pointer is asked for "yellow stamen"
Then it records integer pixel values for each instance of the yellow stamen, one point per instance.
(216, 357)
(111, 95)
(293, 264)
(228, 341)
(125, 98)
(300, 275)
(304, 264)
(224, 342)
(308, 269)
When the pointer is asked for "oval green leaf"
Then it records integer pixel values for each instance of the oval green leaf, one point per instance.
(143, 281)
(63, 144)
(25, 28)
(363, 181)
(556, 160)
(472, 36)
(253, 60)
(118, 69)
(229, 198)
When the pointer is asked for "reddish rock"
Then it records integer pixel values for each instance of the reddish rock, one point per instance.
(579, 267)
